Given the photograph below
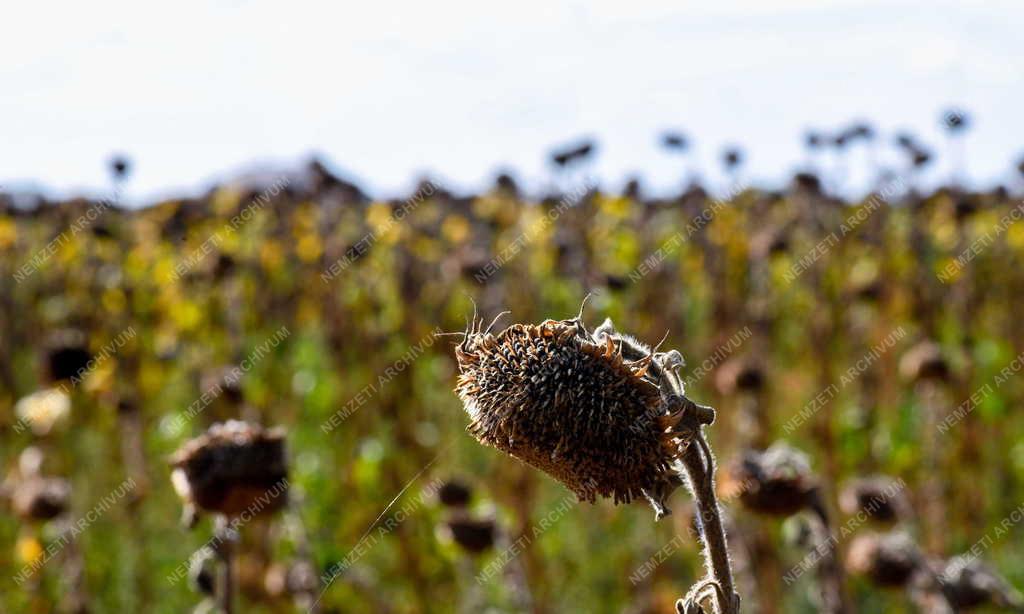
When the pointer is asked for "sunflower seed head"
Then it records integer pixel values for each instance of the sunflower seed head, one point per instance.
(569, 403)
(41, 498)
(232, 468)
(888, 559)
(740, 375)
(472, 535)
(924, 361)
(971, 583)
(880, 498)
(777, 481)
(455, 493)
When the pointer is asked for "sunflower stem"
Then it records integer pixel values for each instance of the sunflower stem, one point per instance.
(224, 536)
(830, 572)
(699, 467)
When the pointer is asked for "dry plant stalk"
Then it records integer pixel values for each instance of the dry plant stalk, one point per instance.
(779, 482)
(605, 415)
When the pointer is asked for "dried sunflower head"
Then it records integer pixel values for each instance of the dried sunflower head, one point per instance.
(889, 559)
(740, 375)
(234, 467)
(924, 361)
(881, 498)
(41, 498)
(600, 412)
(120, 166)
(777, 481)
(454, 493)
(67, 355)
(472, 535)
(970, 583)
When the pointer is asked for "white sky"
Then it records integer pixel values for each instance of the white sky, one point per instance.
(195, 89)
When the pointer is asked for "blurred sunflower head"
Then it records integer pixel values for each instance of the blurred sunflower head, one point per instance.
(740, 375)
(888, 559)
(970, 583)
(472, 535)
(924, 362)
(41, 498)
(777, 481)
(880, 498)
(454, 493)
(67, 355)
(235, 468)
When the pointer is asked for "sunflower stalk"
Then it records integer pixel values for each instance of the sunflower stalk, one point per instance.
(830, 573)
(697, 469)
(225, 536)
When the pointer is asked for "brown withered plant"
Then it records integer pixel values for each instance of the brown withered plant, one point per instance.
(604, 415)
(235, 470)
(779, 482)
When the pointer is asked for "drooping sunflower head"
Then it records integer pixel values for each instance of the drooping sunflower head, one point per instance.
(879, 498)
(777, 481)
(233, 468)
(887, 559)
(41, 498)
(587, 409)
(972, 583)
